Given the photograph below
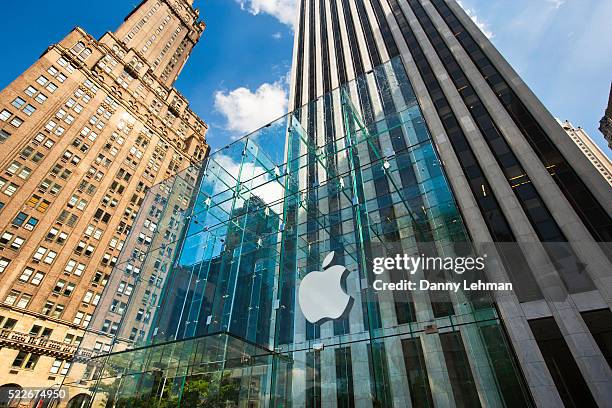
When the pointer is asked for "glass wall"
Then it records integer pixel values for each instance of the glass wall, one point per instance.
(209, 305)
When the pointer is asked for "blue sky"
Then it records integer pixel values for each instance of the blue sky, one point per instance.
(562, 49)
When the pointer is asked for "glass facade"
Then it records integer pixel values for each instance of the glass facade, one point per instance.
(204, 307)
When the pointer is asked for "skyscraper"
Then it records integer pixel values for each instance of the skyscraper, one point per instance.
(605, 124)
(590, 149)
(409, 135)
(84, 133)
(516, 176)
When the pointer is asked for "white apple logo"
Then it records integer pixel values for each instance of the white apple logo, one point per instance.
(321, 295)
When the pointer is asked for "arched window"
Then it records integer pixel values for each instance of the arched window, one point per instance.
(79, 401)
(85, 54)
(78, 47)
(4, 392)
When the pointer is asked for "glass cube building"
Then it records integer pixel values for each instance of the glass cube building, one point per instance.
(203, 309)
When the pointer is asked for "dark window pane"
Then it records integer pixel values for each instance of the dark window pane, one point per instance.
(600, 325)
(564, 370)
(459, 370)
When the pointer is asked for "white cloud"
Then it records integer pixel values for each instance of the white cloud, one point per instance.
(484, 27)
(556, 3)
(283, 10)
(277, 36)
(255, 177)
(246, 111)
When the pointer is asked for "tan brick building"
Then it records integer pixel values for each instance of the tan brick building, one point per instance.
(595, 155)
(84, 132)
(605, 124)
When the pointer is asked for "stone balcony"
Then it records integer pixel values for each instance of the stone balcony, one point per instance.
(43, 346)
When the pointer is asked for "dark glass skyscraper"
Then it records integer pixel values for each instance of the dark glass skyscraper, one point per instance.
(517, 179)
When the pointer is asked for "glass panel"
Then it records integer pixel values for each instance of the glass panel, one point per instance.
(233, 254)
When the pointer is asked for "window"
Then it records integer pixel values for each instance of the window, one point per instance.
(39, 253)
(4, 263)
(88, 296)
(59, 286)
(18, 102)
(50, 125)
(11, 189)
(31, 91)
(38, 277)
(69, 289)
(8, 324)
(6, 238)
(50, 257)
(59, 367)
(37, 330)
(599, 323)
(16, 122)
(11, 298)
(17, 243)
(110, 327)
(85, 54)
(43, 205)
(79, 269)
(561, 364)
(25, 173)
(57, 312)
(70, 266)
(31, 224)
(26, 274)
(4, 115)
(78, 317)
(37, 157)
(47, 308)
(118, 307)
(29, 110)
(73, 200)
(25, 360)
(100, 278)
(13, 167)
(20, 359)
(82, 318)
(4, 135)
(24, 300)
(33, 201)
(26, 152)
(40, 98)
(42, 80)
(51, 87)
(78, 48)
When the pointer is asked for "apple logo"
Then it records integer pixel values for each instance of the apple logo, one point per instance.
(321, 295)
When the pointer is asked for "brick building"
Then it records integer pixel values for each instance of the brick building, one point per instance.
(84, 132)
(605, 124)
